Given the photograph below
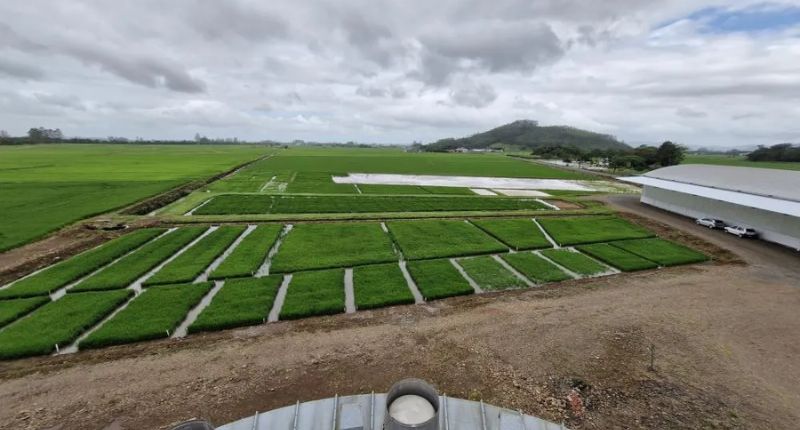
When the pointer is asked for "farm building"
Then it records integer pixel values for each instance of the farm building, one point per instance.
(767, 200)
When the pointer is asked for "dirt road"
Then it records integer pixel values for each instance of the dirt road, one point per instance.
(725, 338)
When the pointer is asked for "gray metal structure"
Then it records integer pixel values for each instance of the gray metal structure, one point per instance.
(366, 412)
(767, 200)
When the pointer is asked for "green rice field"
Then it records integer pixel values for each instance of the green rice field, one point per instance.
(661, 251)
(489, 274)
(441, 238)
(11, 310)
(438, 279)
(314, 293)
(240, 302)
(568, 231)
(617, 257)
(380, 285)
(248, 257)
(574, 261)
(517, 233)
(535, 268)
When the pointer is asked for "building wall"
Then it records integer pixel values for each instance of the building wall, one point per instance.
(783, 229)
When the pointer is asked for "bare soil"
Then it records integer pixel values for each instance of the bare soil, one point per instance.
(724, 337)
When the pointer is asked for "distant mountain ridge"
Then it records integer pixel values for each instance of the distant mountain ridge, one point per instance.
(527, 134)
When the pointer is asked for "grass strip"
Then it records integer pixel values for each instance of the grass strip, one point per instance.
(574, 261)
(58, 322)
(149, 316)
(617, 257)
(230, 204)
(535, 268)
(323, 246)
(314, 293)
(12, 310)
(441, 238)
(437, 279)
(518, 233)
(191, 263)
(573, 231)
(240, 302)
(246, 259)
(380, 285)
(65, 272)
(489, 274)
(661, 251)
(127, 270)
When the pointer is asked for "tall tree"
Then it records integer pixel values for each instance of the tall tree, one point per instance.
(669, 154)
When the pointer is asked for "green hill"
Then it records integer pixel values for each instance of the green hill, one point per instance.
(527, 135)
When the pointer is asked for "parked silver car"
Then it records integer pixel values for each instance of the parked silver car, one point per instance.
(741, 231)
(710, 222)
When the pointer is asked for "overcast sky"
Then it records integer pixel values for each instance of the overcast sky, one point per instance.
(721, 73)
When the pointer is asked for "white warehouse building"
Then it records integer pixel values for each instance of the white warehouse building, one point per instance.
(767, 200)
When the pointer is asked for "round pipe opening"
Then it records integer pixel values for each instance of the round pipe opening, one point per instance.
(412, 404)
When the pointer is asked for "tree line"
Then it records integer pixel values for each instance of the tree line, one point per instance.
(779, 152)
(640, 158)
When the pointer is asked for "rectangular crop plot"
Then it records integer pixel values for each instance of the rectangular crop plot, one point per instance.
(314, 293)
(520, 233)
(192, 262)
(231, 204)
(130, 268)
(490, 274)
(413, 189)
(240, 302)
(437, 279)
(63, 273)
(152, 315)
(246, 259)
(573, 231)
(617, 257)
(441, 238)
(12, 310)
(661, 251)
(322, 246)
(58, 322)
(535, 268)
(318, 183)
(380, 285)
(575, 261)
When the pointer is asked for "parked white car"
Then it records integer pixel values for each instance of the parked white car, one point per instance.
(741, 231)
(710, 222)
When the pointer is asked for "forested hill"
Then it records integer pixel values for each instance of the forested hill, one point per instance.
(527, 135)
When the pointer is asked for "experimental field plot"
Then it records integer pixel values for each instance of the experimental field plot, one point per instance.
(11, 310)
(413, 189)
(254, 204)
(240, 302)
(535, 268)
(248, 257)
(380, 285)
(438, 279)
(314, 293)
(518, 233)
(441, 238)
(154, 314)
(661, 251)
(568, 231)
(575, 261)
(318, 183)
(321, 246)
(617, 257)
(133, 266)
(57, 323)
(489, 274)
(61, 274)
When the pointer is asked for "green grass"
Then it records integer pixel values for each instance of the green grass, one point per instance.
(231, 204)
(489, 274)
(61, 274)
(437, 279)
(314, 293)
(380, 285)
(11, 310)
(240, 302)
(413, 189)
(741, 161)
(579, 230)
(661, 251)
(319, 183)
(321, 246)
(130, 268)
(441, 238)
(191, 264)
(58, 322)
(246, 259)
(45, 187)
(535, 268)
(617, 257)
(574, 261)
(520, 233)
(149, 316)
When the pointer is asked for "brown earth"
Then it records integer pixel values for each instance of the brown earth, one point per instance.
(724, 337)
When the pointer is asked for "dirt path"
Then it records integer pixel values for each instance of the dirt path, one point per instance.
(725, 338)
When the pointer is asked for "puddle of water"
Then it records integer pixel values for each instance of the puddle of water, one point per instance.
(264, 269)
(275, 312)
(183, 328)
(349, 293)
(411, 284)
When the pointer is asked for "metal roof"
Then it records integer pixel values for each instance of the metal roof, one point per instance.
(366, 412)
(786, 207)
(777, 183)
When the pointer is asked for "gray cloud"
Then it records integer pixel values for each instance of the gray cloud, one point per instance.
(19, 70)
(473, 95)
(226, 19)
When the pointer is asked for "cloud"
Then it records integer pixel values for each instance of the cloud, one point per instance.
(473, 94)
(19, 70)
